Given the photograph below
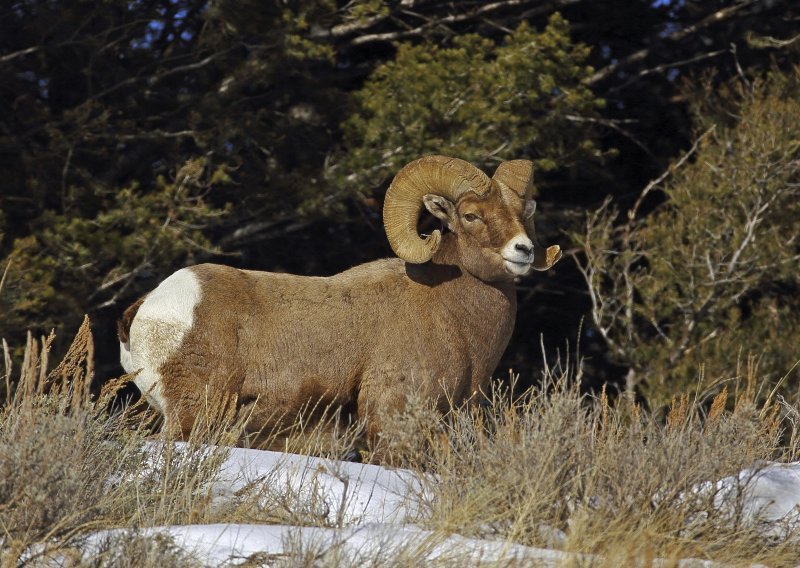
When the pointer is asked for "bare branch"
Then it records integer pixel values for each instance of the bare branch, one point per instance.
(769, 41)
(155, 135)
(664, 66)
(604, 316)
(356, 26)
(5, 272)
(612, 282)
(614, 125)
(633, 211)
(642, 54)
(261, 231)
(12, 56)
(152, 79)
(64, 172)
(478, 13)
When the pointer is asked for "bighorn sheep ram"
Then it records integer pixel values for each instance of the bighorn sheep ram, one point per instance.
(434, 321)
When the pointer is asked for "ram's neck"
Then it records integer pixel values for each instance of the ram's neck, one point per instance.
(487, 308)
(446, 267)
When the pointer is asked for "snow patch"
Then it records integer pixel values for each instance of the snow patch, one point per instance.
(368, 544)
(766, 496)
(343, 493)
(368, 512)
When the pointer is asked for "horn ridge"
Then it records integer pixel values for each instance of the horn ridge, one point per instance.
(517, 175)
(440, 175)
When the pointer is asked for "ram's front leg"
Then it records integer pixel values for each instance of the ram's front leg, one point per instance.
(380, 398)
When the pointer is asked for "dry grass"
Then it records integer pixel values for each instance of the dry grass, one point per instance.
(69, 468)
(380, 552)
(553, 468)
(559, 469)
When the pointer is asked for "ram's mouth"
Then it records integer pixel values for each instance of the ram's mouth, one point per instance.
(517, 267)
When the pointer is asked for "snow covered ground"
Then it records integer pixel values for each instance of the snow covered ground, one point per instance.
(346, 493)
(766, 496)
(364, 544)
(374, 510)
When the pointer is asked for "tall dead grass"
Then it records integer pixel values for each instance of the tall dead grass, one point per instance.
(69, 467)
(557, 468)
(554, 468)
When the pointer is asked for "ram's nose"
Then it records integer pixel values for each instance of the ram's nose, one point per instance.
(518, 249)
(525, 248)
(518, 255)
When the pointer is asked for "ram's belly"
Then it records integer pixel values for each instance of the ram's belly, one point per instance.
(442, 382)
(311, 375)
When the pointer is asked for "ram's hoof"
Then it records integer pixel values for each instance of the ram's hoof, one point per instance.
(353, 456)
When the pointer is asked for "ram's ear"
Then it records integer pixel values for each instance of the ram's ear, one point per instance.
(543, 258)
(530, 209)
(441, 208)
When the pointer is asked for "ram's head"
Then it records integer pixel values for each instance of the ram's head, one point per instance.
(492, 218)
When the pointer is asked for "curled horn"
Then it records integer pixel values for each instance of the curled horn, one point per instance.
(440, 175)
(517, 175)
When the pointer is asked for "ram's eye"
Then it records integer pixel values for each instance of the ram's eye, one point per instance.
(471, 217)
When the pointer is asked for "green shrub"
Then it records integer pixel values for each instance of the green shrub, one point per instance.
(707, 285)
(479, 100)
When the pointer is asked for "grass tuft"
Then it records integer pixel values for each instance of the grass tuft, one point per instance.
(557, 468)
(554, 467)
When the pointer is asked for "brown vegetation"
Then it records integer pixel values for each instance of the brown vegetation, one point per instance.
(552, 468)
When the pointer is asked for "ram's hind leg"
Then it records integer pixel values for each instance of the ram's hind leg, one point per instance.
(155, 337)
(202, 401)
(177, 414)
(186, 391)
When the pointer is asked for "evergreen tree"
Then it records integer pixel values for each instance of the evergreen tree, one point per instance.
(138, 137)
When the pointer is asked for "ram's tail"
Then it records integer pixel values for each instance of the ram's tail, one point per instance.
(124, 323)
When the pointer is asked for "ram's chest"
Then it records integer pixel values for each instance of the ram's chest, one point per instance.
(486, 333)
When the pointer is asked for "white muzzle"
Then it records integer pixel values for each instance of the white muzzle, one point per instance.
(518, 255)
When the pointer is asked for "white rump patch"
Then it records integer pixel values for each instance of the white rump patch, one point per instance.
(157, 331)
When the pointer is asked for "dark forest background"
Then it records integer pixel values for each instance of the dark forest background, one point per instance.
(138, 137)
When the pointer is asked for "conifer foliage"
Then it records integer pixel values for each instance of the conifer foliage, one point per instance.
(138, 137)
